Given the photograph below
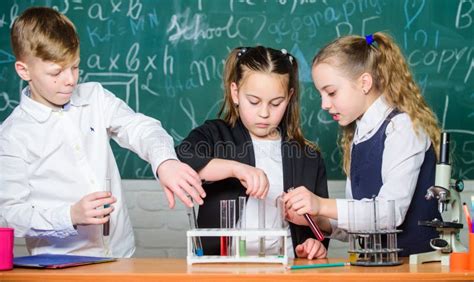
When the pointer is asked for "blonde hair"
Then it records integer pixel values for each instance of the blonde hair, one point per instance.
(383, 59)
(244, 60)
(44, 33)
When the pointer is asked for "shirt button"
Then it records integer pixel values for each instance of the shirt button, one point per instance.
(77, 147)
(92, 181)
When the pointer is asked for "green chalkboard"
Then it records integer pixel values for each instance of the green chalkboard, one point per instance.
(165, 58)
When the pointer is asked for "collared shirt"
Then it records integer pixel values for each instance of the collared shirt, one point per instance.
(302, 166)
(51, 158)
(402, 159)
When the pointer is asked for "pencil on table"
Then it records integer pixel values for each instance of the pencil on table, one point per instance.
(318, 265)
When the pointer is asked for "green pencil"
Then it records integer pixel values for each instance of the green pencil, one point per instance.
(318, 265)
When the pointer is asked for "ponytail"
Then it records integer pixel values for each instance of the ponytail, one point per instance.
(396, 80)
(228, 112)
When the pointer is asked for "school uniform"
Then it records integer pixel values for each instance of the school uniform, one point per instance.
(390, 161)
(50, 159)
(216, 139)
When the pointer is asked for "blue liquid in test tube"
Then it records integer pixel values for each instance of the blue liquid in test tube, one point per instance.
(197, 245)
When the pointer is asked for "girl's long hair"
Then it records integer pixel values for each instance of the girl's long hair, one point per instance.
(384, 60)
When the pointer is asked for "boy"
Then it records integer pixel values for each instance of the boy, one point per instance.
(55, 154)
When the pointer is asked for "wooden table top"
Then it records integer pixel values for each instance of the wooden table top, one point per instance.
(153, 269)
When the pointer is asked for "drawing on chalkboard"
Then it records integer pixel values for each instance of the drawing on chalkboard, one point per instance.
(165, 58)
(122, 85)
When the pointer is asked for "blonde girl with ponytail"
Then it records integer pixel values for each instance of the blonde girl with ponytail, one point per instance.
(388, 137)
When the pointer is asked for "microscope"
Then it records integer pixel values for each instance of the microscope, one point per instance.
(446, 191)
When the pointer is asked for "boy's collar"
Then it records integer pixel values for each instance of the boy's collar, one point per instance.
(37, 110)
(42, 112)
(78, 100)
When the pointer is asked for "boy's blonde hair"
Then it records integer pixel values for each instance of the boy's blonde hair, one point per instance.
(244, 60)
(382, 59)
(44, 33)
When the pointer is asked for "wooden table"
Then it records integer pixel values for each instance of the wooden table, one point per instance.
(158, 269)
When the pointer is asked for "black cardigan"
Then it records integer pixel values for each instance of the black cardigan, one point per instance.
(216, 139)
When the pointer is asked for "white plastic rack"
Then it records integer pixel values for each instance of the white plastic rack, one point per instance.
(192, 258)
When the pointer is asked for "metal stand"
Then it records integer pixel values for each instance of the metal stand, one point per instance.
(366, 248)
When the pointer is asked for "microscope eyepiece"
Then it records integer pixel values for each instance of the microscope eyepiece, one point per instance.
(444, 148)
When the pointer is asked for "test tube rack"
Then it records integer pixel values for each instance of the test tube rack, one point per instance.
(192, 258)
(366, 249)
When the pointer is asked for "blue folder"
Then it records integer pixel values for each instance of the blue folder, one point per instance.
(57, 261)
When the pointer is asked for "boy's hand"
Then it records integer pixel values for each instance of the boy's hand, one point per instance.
(253, 179)
(311, 248)
(180, 179)
(302, 201)
(86, 211)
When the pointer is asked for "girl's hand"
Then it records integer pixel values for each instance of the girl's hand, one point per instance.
(302, 201)
(311, 248)
(86, 211)
(293, 217)
(253, 179)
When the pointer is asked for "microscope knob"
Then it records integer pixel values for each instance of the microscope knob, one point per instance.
(429, 193)
(438, 243)
(459, 185)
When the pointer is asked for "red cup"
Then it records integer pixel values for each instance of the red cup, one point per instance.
(6, 248)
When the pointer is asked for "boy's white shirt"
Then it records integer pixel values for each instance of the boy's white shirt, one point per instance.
(402, 158)
(50, 159)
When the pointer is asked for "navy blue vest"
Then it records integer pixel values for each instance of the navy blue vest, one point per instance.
(366, 181)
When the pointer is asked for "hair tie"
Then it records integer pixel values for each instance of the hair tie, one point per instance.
(241, 52)
(285, 52)
(369, 39)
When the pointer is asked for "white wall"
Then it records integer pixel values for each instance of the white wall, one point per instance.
(160, 232)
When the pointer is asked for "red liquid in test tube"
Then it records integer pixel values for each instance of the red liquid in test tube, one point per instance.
(315, 228)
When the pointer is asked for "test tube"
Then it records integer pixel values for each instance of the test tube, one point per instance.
(197, 245)
(316, 231)
(106, 226)
(365, 218)
(231, 224)
(280, 206)
(375, 207)
(312, 225)
(391, 228)
(351, 216)
(376, 235)
(352, 225)
(224, 221)
(353, 228)
(391, 219)
(242, 225)
(261, 226)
